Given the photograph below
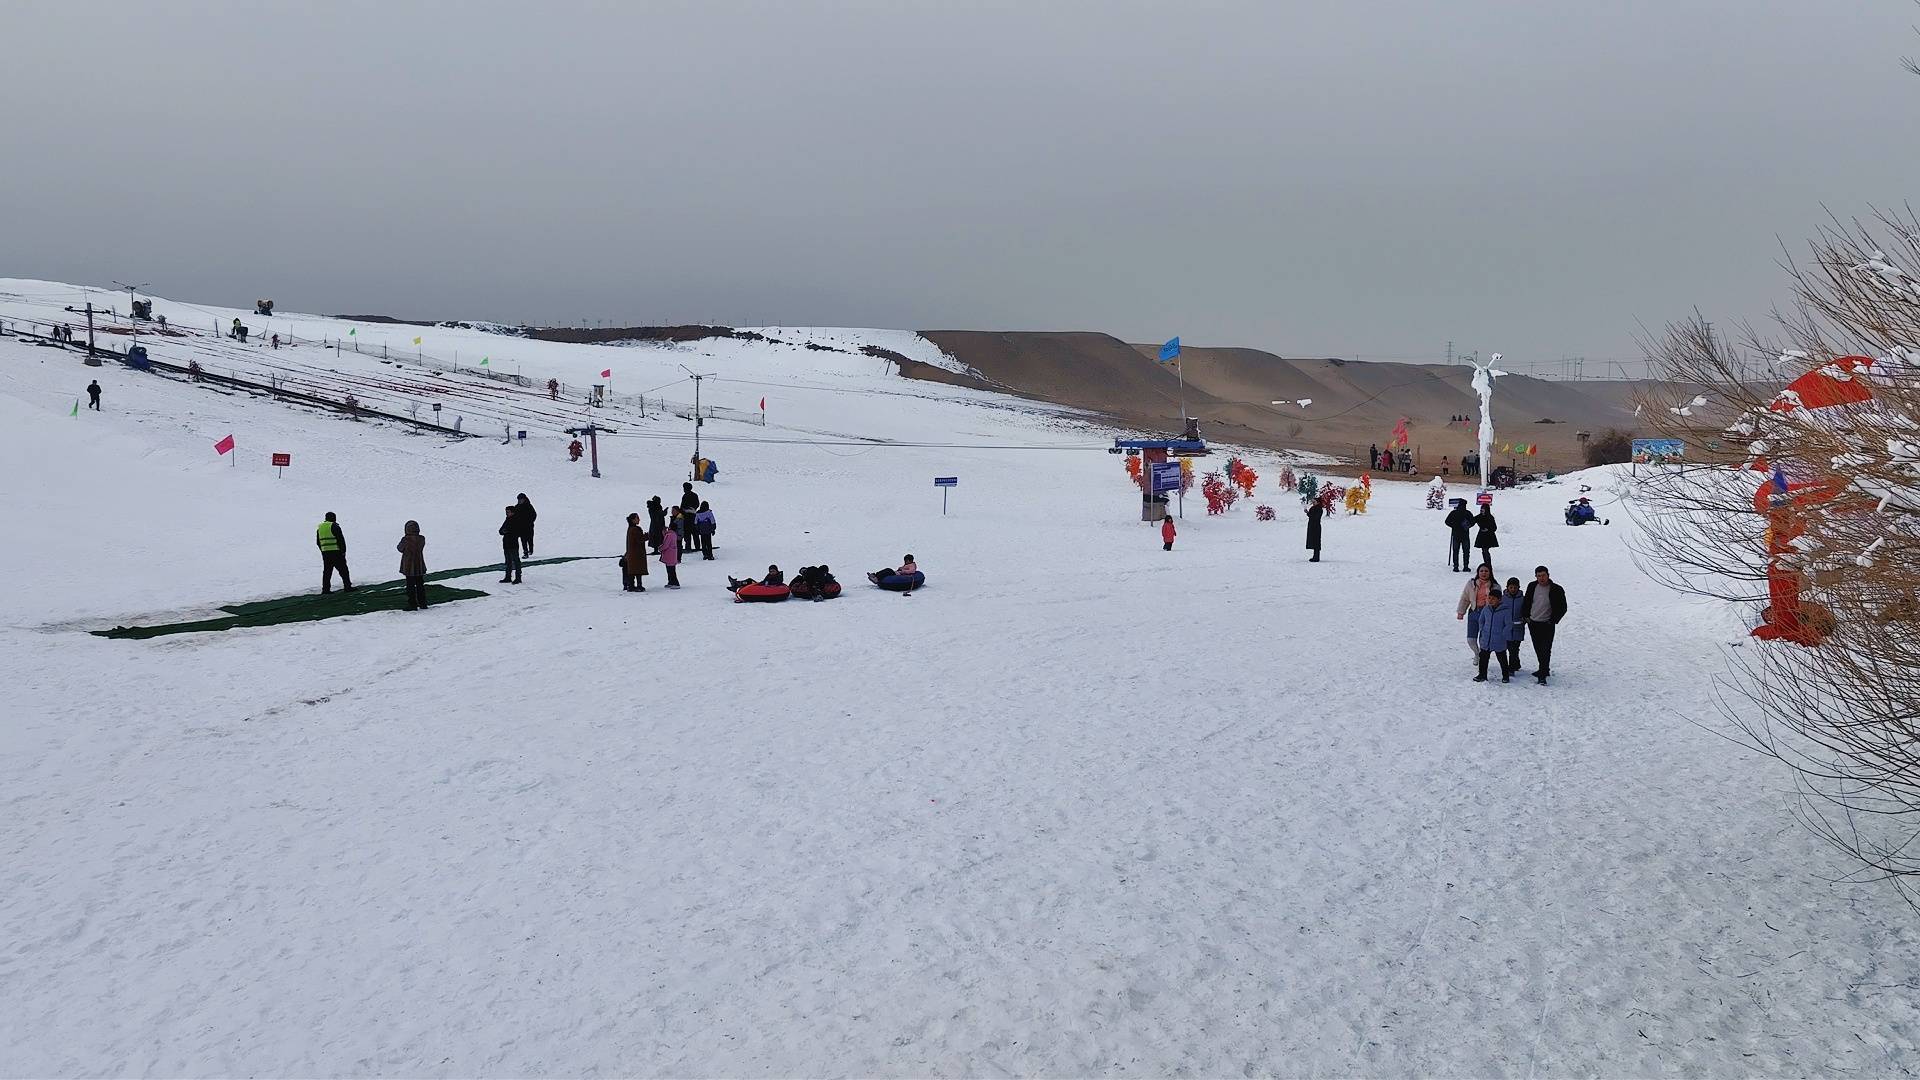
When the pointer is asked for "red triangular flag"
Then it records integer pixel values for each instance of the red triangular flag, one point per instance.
(224, 445)
(607, 374)
(763, 404)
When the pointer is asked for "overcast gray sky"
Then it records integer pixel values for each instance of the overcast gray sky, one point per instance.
(1305, 176)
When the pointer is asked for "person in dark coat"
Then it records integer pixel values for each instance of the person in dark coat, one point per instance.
(689, 506)
(510, 548)
(1543, 606)
(331, 539)
(1460, 543)
(703, 525)
(524, 515)
(656, 522)
(1489, 536)
(413, 565)
(633, 564)
(93, 395)
(1373, 456)
(1314, 510)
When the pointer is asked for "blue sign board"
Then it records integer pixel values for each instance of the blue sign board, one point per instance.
(1658, 451)
(1166, 476)
(946, 481)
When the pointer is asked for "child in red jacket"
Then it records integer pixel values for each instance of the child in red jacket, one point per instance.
(1167, 533)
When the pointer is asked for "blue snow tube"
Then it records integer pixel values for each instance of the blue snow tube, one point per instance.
(902, 582)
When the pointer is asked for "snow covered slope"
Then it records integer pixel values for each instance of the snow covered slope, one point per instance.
(1081, 806)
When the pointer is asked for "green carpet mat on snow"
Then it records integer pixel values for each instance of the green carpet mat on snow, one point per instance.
(312, 607)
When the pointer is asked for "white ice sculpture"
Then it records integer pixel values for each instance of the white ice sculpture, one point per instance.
(1483, 375)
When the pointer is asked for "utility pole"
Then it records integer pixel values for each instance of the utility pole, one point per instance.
(697, 421)
(1449, 354)
(131, 321)
(89, 313)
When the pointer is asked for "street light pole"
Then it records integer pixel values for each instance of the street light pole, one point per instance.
(696, 377)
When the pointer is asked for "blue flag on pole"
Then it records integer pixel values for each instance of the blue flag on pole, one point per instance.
(1170, 350)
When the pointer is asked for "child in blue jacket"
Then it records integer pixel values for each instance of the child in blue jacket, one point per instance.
(1493, 629)
(1519, 634)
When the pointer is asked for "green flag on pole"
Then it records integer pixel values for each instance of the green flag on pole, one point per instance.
(76, 408)
(352, 331)
(483, 361)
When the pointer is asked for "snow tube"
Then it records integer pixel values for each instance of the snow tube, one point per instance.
(901, 582)
(803, 591)
(761, 594)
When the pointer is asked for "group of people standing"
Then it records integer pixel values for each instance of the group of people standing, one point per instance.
(1461, 543)
(685, 528)
(516, 538)
(670, 533)
(1388, 461)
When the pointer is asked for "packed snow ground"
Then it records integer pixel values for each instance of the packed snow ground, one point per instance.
(1079, 807)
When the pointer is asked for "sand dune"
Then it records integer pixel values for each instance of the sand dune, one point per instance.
(1354, 403)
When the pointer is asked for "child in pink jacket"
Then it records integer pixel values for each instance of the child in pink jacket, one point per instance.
(670, 557)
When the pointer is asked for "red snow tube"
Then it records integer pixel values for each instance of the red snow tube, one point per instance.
(761, 594)
(804, 591)
(901, 582)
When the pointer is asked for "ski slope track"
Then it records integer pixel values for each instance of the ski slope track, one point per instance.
(1079, 807)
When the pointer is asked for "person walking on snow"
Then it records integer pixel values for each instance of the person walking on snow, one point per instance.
(703, 525)
(525, 514)
(1519, 632)
(1496, 626)
(1167, 533)
(1460, 542)
(553, 389)
(633, 565)
(332, 542)
(670, 557)
(1477, 594)
(1489, 537)
(656, 522)
(1543, 606)
(413, 565)
(93, 395)
(510, 549)
(1315, 508)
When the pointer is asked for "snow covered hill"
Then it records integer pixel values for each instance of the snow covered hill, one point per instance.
(1080, 806)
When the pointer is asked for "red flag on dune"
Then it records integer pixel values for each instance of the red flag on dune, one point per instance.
(224, 445)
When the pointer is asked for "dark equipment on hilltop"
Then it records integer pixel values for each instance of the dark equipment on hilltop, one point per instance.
(263, 307)
(143, 310)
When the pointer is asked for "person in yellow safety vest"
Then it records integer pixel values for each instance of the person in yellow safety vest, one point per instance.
(332, 541)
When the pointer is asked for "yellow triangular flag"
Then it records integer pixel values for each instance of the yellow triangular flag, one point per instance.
(416, 341)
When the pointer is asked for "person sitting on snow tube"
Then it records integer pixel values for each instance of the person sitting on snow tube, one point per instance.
(769, 591)
(815, 583)
(905, 578)
(774, 577)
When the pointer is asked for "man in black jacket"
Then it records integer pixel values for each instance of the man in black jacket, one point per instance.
(1460, 547)
(1544, 605)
